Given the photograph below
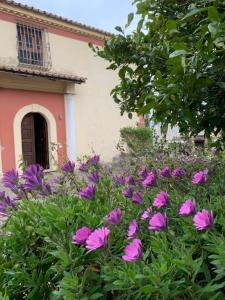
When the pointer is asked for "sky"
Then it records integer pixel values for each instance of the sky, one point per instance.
(102, 14)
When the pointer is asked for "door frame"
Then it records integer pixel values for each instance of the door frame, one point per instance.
(52, 133)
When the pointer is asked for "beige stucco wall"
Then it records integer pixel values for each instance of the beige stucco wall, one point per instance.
(8, 48)
(97, 117)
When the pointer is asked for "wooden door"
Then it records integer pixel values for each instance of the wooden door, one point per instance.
(28, 139)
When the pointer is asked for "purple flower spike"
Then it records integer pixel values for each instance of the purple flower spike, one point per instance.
(88, 192)
(137, 198)
(143, 172)
(147, 214)
(128, 193)
(68, 167)
(130, 180)
(203, 220)
(81, 235)
(165, 172)
(11, 179)
(98, 239)
(200, 177)
(133, 251)
(150, 180)
(132, 230)
(161, 200)
(158, 222)
(188, 208)
(114, 217)
(178, 172)
(94, 177)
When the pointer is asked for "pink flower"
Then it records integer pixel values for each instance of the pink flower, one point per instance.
(161, 200)
(137, 198)
(158, 222)
(132, 230)
(150, 180)
(114, 217)
(203, 220)
(165, 172)
(98, 239)
(81, 235)
(147, 214)
(133, 251)
(200, 177)
(188, 208)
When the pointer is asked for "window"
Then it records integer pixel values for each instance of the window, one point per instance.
(33, 48)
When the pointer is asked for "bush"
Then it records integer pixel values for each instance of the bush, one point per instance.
(138, 140)
(39, 261)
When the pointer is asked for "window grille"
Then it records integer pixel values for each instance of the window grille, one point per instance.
(33, 46)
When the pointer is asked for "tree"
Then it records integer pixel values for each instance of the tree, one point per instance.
(172, 64)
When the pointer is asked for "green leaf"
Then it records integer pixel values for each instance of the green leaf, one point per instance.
(118, 28)
(195, 11)
(178, 53)
(129, 19)
(213, 13)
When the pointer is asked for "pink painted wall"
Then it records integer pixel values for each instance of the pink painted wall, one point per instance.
(10, 102)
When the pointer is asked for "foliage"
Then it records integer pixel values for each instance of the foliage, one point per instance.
(137, 140)
(39, 261)
(172, 64)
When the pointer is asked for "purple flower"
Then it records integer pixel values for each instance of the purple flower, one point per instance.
(178, 172)
(147, 214)
(132, 229)
(143, 172)
(161, 200)
(188, 208)
(165, 172)
(98, 239)
(19, 196)
(84, 167)
(130, 180)
(150, 180)
(128, 193)
(81, 235)
(11, 180)
(46, 189)
(203, 220)
(137, 198)
(200, 177)
(133, 251)
(88, 192)
(120, 180)
(2, 195)
(33, 176)
(94, 177)
(10, 202)
(114, 217)
(158, 222)
(94, 160)
(68, 167)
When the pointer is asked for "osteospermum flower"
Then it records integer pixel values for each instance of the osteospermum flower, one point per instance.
(88, 192)
(33, 176)
(114, 217)
(94, 160)
(120, 180)
(128, 193)
(11, 179)
(158, 222)
(178, 172)
(132, 229)
(81, 235)
(203, 220)
(200, 177)
(143, 172)
(130, 180)
(98, 239)
(46, 189)
(94, 177)
(137, 198)
(165, 172)
(68, 167)
(133, 251)
(161, 200)
(2, 195)
(147, 214)
(188, 208)
(150, 180)
(84, 167)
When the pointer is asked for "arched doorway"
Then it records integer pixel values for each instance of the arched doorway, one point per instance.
(34, 132)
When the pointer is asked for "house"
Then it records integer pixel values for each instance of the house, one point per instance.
(54, 92)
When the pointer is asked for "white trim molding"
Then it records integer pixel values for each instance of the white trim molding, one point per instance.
(52, 132)
(70, 126)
